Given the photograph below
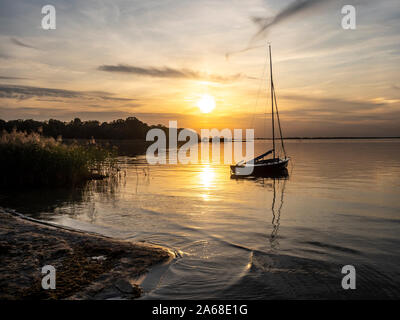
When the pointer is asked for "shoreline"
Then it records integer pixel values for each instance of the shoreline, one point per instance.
(88, 266)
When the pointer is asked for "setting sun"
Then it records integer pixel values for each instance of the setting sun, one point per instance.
(206, 103)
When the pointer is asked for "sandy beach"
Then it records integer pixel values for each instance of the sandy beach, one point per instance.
(88, 266)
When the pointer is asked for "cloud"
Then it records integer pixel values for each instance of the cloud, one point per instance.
(12, 78)
(115, 98)
(264, 23)
(27, 92)
(4, 56)
(333, 108)
(166, 72)
(341, 111)
(337, 104)
(293, 9)
(21, 44)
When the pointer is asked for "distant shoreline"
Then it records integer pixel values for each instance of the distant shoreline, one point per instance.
(308, 138)
(327, 138)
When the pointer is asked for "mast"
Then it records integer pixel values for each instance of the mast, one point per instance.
(272, 102)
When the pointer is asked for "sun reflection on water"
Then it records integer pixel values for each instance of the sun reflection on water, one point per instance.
(206, 179)
(207, 176)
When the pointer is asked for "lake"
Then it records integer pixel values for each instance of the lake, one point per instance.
(259, 238)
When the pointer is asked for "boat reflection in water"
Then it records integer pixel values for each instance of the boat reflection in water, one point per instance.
(279, 185)
(277, 182)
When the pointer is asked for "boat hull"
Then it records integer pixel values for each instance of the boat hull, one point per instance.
(276, 166)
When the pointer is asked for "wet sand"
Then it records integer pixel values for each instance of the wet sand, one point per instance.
(88, 266)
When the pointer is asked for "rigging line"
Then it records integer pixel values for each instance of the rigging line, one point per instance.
(279, 122)
(258, 92)
(265, 118)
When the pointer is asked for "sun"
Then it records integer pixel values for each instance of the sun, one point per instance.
(206, 103)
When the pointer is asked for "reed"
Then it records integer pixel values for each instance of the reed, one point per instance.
(34, 160)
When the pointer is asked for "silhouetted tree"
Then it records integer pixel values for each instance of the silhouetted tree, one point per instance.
(130, 128)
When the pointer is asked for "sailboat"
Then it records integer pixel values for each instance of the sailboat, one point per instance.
(261, 164)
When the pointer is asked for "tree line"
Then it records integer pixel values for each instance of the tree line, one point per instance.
(130, 128)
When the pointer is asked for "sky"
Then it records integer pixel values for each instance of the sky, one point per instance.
(155, 59)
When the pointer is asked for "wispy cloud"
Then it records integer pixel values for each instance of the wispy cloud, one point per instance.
(4, 56)
(293, 9)
(21, 44)
(166, 72)
(340, 110)
(12, 78)
(27, 92)
(337, 104)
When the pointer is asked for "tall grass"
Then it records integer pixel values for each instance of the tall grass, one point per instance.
(34, 160)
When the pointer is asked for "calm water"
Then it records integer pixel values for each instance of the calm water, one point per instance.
(252, 238)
